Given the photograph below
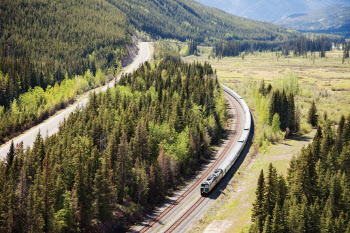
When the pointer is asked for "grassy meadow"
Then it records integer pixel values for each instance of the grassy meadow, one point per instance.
(325, 80)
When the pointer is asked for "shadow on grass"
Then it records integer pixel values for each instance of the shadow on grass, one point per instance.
(301, 138)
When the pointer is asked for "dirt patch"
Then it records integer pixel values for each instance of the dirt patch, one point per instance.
(218, 226)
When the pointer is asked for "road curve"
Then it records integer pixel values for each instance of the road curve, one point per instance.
(50, 126)
(187, 204)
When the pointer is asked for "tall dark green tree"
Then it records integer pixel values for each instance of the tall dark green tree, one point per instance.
(312, 115)
(259, 214)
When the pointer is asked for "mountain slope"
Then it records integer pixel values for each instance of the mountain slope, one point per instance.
(328, 19)
(184, 19)
(41, 40)
(270, 10)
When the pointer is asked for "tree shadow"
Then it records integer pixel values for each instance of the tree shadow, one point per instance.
(301, 138)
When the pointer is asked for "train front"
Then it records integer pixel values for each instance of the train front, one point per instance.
(205, 187)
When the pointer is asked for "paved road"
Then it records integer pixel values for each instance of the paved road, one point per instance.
(50, 126)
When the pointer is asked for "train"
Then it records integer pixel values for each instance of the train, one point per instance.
(213, 179)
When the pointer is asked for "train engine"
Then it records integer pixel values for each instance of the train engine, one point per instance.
(211, 181)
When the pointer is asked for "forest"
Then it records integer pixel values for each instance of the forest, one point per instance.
(184, 20)
(298, 47)
(37, 104)
(45, 44)
(314, 196)
(42, 41)
(118, 156)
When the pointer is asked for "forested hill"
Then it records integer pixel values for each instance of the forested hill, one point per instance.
(41, 40)
(116, 157)
(185, 19)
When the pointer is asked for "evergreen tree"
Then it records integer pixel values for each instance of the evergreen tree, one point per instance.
(270, 191)
(312, 115)
(10, 155)
(291, 114)
(259, 215)
(123, 166)
(65, 219)
(47, 194)
(278, 224)
(103, 193)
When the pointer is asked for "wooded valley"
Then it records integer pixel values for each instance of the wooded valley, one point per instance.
(118, 156)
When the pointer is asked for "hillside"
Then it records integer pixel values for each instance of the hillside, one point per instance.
(118, 156)
(184, 19)
(41, 40)
(327, 20)
(270, 10)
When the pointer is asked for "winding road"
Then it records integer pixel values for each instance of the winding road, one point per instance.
(50, 126)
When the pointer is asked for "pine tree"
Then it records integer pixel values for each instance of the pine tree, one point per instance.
(278, 224)
(10, 155)
(35, 207)
(47, 194)
(346, 132)
(104, 194)
(267, 225)
(291, 113)
(123, 166)
(65, 219)
(81, 197)
(141, 181)
(270, 191)
(258, 215)
(340, 130)
(22, 197)
(140, 143)
(312, 115)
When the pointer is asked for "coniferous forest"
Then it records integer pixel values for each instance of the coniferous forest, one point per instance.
(314, 196)
(118, 156)
(298, 46)
(42, 41)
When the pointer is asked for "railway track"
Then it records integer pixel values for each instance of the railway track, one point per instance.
(195, 185)
(184, 216)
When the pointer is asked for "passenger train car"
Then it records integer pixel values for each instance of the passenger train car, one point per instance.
(234, 153)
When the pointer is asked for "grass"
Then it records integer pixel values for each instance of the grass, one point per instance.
(236, 205)
(325, 80)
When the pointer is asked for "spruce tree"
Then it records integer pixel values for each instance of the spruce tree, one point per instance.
(259, 215)
(10, 155)
(268, 225)
(312, 115)
(346, 132)
(103, 194)
(291, 113)
(278, 224)
(270, 191)
(123, 166)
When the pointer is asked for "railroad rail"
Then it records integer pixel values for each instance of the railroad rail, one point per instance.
(230, 96)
